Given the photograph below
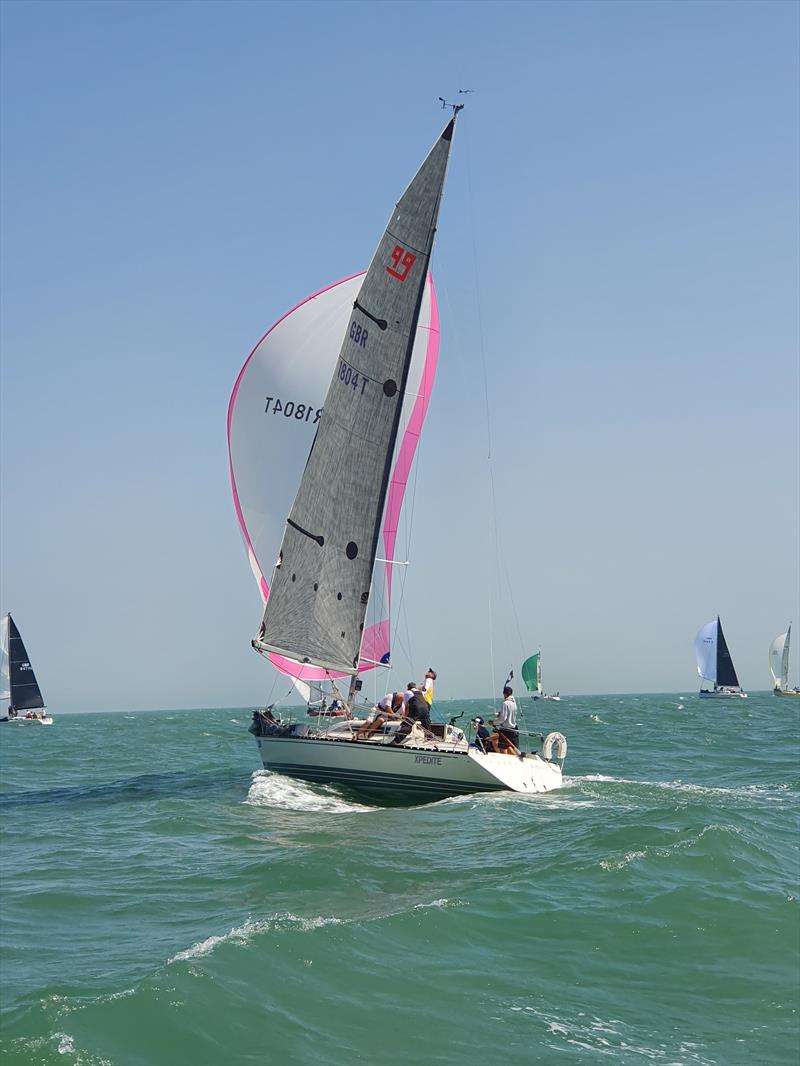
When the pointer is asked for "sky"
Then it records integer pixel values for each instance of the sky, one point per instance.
(617, 268)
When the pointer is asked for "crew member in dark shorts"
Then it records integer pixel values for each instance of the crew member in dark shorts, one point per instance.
(417, 710)
(506, 721)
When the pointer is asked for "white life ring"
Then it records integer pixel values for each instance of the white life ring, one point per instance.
(557, 741)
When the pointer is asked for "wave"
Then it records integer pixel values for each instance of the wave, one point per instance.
(439, 904)
(129, 789)
(282, 923)
(269, 789)
(666, 851)
(243, 934)
(688, 786)
(612, 1038)
(54, 1044)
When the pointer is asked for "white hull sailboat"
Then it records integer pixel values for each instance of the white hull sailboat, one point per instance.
(330, 441)
(422, 767)
(20, 689)
(714, 664)
(779, 665)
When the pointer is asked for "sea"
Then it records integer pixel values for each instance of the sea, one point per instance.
(166, 901)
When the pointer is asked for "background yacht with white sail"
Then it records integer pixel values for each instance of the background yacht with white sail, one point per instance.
(779, 664)
(714, 663)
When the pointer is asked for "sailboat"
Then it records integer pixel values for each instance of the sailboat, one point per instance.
(779, 664)
(714, 663)
(532, 676)
(359, 414)
(17, 679)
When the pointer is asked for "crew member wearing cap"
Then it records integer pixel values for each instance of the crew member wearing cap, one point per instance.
(481, 735)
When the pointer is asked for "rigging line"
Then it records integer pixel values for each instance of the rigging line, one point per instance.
(407, 514)
(405, 644)
(502, 569)
(275, 677)
(482, 348)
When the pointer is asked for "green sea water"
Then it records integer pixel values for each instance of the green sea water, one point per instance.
(165, 901)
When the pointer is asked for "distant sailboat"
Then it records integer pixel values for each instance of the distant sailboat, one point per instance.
(532, 676)
(17, 679)
(779, 664)
(714, 663)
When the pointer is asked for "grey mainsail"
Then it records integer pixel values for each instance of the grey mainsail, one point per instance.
(321, 582)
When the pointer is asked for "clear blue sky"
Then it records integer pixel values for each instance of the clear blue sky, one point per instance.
(620, 227)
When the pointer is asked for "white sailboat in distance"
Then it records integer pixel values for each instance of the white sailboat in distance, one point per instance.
(779, 664)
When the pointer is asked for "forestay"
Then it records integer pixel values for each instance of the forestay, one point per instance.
(321, 582)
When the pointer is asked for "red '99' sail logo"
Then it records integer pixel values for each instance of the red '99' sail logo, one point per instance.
(403, 262)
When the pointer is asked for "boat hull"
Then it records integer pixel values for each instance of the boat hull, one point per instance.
(786, 692)
(405, 772)
(47, 720)
(722, 694)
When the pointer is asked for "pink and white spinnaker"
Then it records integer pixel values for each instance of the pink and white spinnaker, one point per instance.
(272, 416)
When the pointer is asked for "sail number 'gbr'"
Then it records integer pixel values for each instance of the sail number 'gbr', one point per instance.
(402, 262)
(289, 409)
(358, 335)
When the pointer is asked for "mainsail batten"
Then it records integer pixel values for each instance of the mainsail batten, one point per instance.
(321, 584)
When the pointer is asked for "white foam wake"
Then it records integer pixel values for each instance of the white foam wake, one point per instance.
(274, 790)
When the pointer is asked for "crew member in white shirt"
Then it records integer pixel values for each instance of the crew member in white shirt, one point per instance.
(391, 706)
(507, 737)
